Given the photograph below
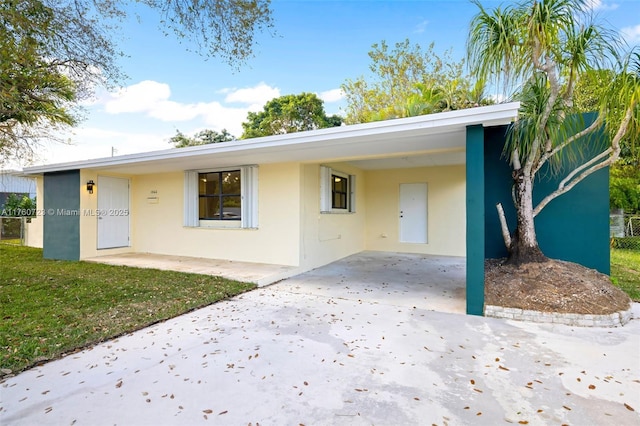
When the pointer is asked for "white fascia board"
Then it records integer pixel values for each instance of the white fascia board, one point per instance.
(427, 124)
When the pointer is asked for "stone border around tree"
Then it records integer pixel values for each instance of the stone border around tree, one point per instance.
(616, 319)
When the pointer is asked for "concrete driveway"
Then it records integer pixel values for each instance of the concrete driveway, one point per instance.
(332, 350)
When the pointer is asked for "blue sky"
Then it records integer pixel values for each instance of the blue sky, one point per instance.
(317, 46)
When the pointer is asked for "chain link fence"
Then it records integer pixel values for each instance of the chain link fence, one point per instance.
(12, 230)
(625, 231)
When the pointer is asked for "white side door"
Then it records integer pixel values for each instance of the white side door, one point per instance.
(413, 213)
(113, 212)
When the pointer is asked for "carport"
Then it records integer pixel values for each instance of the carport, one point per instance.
(435, 283)
(413, 186)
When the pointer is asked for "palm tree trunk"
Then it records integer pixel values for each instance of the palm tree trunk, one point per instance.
(524, 243)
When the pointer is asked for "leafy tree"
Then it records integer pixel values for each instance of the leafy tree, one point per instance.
(624, 188)
(624, 174)
(16, 205)
(289, 114)
(407, 82)
(203, 137)
(589, 90)
(53, 53)
(546, 46)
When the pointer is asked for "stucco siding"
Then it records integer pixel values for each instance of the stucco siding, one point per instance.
(445, 209)
(327, 237)
(34, 229)
(291, 228)
(157, 227)
(89, 216)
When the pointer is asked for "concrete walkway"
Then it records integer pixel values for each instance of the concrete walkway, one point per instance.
(257, 273)
(306, 351)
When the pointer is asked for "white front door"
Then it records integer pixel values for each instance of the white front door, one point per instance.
(113, 212)
(413, 213)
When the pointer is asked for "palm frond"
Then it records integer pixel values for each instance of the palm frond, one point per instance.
(494, 42)
(623, 93)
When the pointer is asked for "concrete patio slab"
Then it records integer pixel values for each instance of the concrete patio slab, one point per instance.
(436, 283)
(301, 352)
(257, 273)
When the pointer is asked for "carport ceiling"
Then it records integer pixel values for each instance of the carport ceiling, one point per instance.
(442, 158)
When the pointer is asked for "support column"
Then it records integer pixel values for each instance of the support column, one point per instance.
(61, 215)
(475, 220)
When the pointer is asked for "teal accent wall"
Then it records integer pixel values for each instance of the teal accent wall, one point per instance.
(573, 227)
(61, 220)
(475, 219)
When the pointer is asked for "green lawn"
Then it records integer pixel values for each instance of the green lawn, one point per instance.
(50, 307)
(625, 271)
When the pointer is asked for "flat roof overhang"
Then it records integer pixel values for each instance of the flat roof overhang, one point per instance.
(433, 136)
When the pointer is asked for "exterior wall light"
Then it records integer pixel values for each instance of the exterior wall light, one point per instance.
(90, 185)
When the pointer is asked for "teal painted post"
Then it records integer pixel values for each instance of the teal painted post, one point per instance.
(61, 220)
(475, 220)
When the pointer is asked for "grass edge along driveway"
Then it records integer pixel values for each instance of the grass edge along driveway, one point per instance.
(625, 271)
(51, 307)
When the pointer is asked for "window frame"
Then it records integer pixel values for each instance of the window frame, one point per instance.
(337, 174)
(248, 199)
(327, 191)
(220, 195)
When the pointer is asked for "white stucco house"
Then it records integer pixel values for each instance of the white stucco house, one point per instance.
(302, 199)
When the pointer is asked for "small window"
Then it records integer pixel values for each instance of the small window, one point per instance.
(337, 191)
(219, 195)
(221, 198)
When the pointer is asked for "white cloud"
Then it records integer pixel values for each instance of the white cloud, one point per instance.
(631, 34)
(218, 117)
(175, 111)
(333, 95)
(421, 27)
(600, 5)
(153, 99)
(260, 94)
(148, 107)
(92, 142)
(140, 97)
